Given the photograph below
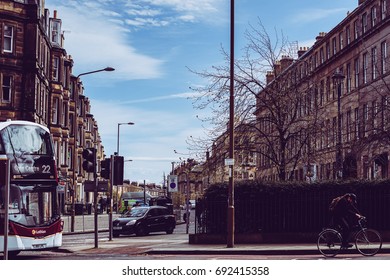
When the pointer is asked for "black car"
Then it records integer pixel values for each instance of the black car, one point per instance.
(143, 220)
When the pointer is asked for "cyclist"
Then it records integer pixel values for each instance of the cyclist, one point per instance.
(345, 214)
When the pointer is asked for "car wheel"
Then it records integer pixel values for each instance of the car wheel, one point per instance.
(170, 230)
(115, 234)
(141, 231)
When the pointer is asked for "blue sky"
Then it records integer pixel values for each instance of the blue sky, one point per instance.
(151, 43)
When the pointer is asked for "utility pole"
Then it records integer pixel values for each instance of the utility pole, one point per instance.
(230, 209)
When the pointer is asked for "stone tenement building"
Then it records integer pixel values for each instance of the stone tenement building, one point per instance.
(37, 85)
(339, 95)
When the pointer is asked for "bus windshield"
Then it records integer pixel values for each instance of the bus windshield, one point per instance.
(30, 151)
(25, 139)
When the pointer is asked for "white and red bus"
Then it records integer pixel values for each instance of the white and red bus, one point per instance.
(34, 220)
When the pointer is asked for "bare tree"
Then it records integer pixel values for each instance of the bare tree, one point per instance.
(273, 109)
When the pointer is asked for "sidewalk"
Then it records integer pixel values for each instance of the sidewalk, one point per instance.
(178, 244)
(85, 223)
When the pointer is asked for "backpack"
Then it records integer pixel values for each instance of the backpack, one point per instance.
(333, 203)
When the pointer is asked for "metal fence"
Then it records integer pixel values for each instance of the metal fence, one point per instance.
(280, 212)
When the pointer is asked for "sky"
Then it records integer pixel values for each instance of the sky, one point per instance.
(152, 44)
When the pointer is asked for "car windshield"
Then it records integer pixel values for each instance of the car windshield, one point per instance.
(136, 212)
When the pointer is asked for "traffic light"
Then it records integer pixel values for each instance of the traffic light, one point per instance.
(118, 170)
(89, 162)
(105, 168)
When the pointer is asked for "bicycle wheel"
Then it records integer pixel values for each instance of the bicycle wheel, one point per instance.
(329, 242)
(368, 242)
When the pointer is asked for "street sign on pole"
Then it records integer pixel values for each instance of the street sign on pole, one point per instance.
(172, 183)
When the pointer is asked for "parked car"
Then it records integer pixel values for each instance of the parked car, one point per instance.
(143, 220)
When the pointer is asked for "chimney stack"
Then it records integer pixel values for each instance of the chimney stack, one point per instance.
(269, 77)
(320, 36)
(285, 62)
(302, 51)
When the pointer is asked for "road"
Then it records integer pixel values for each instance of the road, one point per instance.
(137, 248)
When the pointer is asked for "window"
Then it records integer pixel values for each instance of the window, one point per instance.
(348, 125)
(334, 46)
(356, 123)
(8, 39)
(55, 31)
(373, 16)
(383, 57)
(356, 66)
(348, 34)
(349, 78)
(383, 9)
(375, 113)
(55, 110)
(365, 120)
(374, 68)
(364, 23)
(341, 40)
(6, 89)
(356, 29)
(365, 68)
(327, 51)
(64, 113)
(56, 64)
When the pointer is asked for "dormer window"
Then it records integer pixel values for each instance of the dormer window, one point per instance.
(55, 31)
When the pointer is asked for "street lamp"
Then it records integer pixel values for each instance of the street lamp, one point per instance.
(117, 143)
(108, 69)
(117, 153)
(75, 135)
(338, 78)
(230, 208)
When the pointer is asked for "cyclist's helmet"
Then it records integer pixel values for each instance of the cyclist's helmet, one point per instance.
(353, 197)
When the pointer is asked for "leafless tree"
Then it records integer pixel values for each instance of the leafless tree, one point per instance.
(272, 109)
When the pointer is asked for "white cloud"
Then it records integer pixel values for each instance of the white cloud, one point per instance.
(93, 42)
(311, 15)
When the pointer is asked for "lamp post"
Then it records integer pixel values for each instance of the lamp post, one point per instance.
(230, 208)
(75, 135)
(117, 139)
(117, 153)
(338, 78)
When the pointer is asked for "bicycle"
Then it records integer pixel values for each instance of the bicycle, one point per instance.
(368, 242)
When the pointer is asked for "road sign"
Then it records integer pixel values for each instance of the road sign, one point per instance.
(172, 183)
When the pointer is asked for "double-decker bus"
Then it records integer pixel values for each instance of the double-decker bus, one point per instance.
(34, 220)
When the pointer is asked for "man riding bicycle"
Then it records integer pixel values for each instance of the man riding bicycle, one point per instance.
(345, 214)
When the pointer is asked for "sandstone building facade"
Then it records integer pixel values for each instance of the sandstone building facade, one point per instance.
(37, 84)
